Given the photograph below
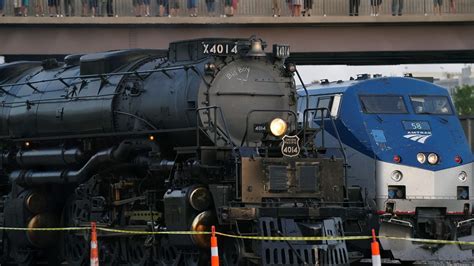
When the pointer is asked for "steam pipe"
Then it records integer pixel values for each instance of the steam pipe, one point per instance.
(66, 176)
(43, 157)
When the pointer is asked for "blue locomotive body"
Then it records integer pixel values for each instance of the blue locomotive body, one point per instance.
(407, 151)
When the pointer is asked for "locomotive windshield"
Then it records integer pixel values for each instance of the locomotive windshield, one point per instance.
(438, 105)
(383, 104)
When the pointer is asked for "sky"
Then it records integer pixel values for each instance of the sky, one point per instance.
(343, 72)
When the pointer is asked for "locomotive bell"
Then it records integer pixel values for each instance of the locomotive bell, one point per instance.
(256, 49)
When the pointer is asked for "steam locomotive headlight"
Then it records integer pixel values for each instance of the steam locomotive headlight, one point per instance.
(278, 127)
(433, 158)
(291, 67)
(462, 176)
(396, 176)
(421, 157)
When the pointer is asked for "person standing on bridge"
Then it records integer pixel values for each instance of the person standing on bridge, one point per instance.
(68, 7)
(24, 7)
(147, 7)
(437, 6)
(297, 7)
(375, 7)
(397, 7)
(276, 8)
(192, 8)
(102, 6)
(307, 7)
(17, 8)
(229, 8)
(211, 7)
(85, 7)
(354, 7)
(53, 5)
(290, 6)
(93, 4)
(139, 7)
(110, 8)
(452, 6)
(39, 10)
(174, 8)
(162, 8)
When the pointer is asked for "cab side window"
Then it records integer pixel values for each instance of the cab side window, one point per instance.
(332, 103)
(325, 102)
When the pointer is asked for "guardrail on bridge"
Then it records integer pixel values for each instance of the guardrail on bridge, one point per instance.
(247, 7)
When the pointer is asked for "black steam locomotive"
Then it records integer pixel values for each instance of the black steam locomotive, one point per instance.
(203, 134)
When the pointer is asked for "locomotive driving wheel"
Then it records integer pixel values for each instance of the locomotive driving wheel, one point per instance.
(232, 253)
(22, 257)
(138, 253)
(167, 254)
(109, 252)
(76, 243)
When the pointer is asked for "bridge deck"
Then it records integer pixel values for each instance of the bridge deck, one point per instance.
(314, 40)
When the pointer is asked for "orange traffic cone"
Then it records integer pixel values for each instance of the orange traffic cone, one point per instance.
(94, 246)
(376, 260)
(214, 249)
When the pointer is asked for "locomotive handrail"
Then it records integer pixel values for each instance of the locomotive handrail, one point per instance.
(244, 138)
(111, 134)
(226, 130)
(99, 76)
(333, 124)
(304, 87)
(138, 118)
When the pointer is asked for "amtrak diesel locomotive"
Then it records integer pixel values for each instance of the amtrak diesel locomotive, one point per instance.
(202, 135)
(407, 151)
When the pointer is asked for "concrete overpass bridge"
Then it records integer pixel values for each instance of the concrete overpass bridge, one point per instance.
(330, 36)
(332, 39)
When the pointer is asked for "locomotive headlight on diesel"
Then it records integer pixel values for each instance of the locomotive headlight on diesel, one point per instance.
(421, 158)
(396, 176)
(433, 158)
(278, 127)
(462, 176)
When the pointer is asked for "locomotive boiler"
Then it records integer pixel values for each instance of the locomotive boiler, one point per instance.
(203, 134)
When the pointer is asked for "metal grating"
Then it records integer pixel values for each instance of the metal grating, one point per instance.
(308, 178)
(312, 253)
(278, 179)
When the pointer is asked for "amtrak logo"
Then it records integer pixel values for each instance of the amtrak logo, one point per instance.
(420, 138)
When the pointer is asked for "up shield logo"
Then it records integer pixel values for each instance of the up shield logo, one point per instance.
(420, 137)
(290, 146)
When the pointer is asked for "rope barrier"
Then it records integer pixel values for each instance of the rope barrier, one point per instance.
(262, 238)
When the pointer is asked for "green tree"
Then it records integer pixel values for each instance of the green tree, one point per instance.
(464, 100)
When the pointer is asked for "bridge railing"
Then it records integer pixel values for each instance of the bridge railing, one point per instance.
(259, 7)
